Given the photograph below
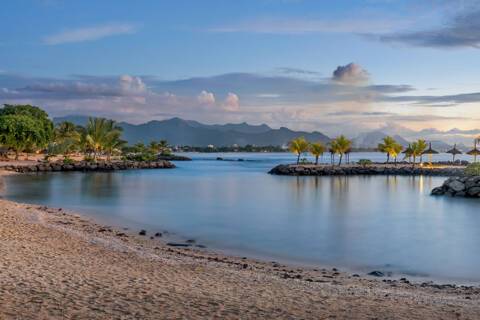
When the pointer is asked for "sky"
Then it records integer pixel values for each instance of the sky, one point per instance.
(332, 66)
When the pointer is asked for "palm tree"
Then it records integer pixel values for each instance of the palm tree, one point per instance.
(420, 148)
(408, 152)
(395, 151)
(341, 145)
(317, 149)
(298, 146)
(101, 135)
(66, 137)
(386, 146)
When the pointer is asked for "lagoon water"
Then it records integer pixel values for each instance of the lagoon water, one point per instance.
(362, 223)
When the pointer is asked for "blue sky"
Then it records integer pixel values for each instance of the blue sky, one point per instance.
(401, 63)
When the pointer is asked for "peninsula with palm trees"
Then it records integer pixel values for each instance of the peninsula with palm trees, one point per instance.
(340, 148)
(98, 146)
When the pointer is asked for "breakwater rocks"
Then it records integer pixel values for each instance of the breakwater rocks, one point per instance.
(347, 170)
(459, 187)
(173, 157)
(89, 166)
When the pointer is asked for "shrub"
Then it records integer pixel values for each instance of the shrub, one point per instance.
(88, 158)
(473, 169)
(141, 156)
(68, 160)
(364, 162)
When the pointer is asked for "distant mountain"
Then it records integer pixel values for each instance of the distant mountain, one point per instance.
(440, 146)
(373, 138)
(185, 132)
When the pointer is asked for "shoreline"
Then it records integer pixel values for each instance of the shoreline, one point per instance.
(129, 275)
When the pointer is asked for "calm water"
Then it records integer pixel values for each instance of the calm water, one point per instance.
(363, 223)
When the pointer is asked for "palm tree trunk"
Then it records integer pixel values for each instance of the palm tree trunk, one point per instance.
(388, 157)
(298, 158)
(340, 160)
(16, 154)
(316, 160)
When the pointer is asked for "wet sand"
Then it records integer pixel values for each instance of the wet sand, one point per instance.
(59, 265)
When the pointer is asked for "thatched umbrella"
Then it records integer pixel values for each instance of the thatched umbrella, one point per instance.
(454, 152)
(474, 152)
(430, 152)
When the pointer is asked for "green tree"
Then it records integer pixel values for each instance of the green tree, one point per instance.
(298, 146)
(395, 151)
(102, 135)
(45, 125)
(317, 149)
(160, 147)
(386, 146)
(67, 138)
(340, 146)
(420, 147)
(20, 132)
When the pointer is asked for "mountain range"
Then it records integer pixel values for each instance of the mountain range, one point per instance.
(188, 132)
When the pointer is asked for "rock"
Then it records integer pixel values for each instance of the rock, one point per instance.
(158, 234)
(190, 241)
(142, 232)
(175, 244)
(376, 273)
(474, 191)
(438, 191)
(456, 185)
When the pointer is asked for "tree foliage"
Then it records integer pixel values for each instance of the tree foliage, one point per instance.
(340, 145)
(298, 146)
(317, 149)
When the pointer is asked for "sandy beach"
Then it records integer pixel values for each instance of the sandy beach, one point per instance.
(60, 265)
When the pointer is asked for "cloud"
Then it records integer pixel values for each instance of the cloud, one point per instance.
(206, 98)
(132, 85)
(89, 33)
(462, 30)
(351, 73)
(232, 102)
(436, 101)
(278, 100)
(297, 71)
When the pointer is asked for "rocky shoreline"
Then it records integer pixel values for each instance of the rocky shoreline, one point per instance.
(459, 187)
(377, 169)
(173, 157)
(88, 166)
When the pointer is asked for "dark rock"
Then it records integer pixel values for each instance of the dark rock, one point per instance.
(474, 191)
(190, 241)
(175, 244)
(438, 191)
(142, 232)
(158, 234)
(376, 273)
